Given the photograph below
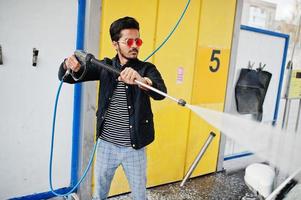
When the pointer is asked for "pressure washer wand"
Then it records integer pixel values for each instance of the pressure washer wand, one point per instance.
(84, 57)
(179, 101)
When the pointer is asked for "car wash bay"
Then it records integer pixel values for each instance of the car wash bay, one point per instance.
(195, 64)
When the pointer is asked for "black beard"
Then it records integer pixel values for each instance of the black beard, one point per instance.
(130, 59)
(134, 49)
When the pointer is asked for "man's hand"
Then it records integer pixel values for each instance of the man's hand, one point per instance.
(72, 63)
(129, 75)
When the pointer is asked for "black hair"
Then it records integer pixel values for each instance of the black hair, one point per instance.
(120, 24)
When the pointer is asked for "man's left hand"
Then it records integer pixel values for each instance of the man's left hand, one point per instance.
(129, 75)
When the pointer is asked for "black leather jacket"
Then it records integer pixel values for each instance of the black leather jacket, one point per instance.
(140, 113)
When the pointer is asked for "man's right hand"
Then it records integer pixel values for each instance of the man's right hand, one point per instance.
(72, 63)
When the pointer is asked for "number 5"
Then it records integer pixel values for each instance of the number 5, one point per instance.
(215, 58)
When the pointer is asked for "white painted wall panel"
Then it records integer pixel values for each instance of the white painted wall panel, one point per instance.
(267, 49)
(28, 94)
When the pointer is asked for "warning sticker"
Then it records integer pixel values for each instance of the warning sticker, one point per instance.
(180, 75)
(295, 85)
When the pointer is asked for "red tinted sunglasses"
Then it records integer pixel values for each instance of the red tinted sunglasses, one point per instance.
(129, 42)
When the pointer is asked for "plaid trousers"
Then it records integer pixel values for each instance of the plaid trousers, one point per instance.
(108, 157)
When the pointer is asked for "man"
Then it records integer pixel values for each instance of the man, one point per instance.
(124, 117)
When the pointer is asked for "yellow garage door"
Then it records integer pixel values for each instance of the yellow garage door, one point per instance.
(203, 37)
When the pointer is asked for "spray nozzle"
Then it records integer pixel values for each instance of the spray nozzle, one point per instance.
(181, 102)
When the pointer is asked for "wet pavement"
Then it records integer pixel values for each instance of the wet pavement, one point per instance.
(225, 185)
(216, 186)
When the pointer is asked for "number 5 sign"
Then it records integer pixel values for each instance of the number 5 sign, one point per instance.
(211, 74)
(215, 60)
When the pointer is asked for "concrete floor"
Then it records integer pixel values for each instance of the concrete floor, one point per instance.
(216, 186)
(226, 185)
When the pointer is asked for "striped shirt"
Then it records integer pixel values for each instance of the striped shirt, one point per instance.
(116, 124)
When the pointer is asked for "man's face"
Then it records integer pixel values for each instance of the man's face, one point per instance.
(124, 50)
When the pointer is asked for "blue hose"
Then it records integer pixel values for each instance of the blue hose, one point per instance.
(51, 151)
(96, 143)
(171, 32)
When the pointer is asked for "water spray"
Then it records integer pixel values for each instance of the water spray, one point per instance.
(85, 58)
(279, 147)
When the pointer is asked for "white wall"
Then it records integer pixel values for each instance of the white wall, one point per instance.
(256, 47)
(28, 94)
